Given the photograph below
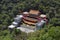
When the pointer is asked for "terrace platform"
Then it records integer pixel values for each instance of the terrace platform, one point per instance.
(27, 28)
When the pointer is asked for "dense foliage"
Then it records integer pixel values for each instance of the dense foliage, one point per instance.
(10, 8)
(52, 34)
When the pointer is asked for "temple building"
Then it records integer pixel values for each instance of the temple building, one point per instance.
(29, 21)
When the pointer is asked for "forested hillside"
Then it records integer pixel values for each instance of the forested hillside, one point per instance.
(10, 8)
